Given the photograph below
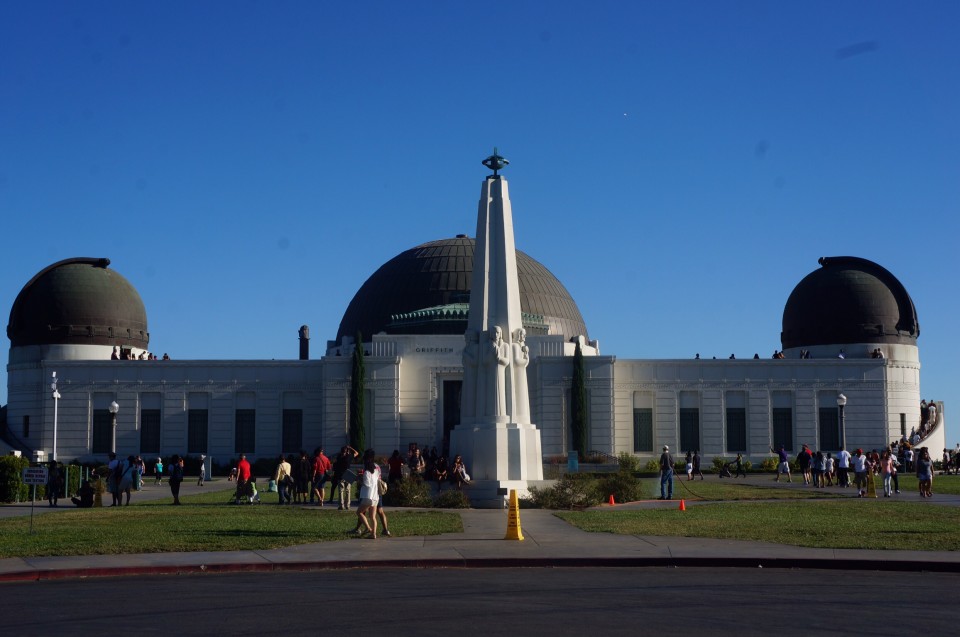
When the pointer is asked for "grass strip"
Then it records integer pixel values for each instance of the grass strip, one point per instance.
(203, 523)
(845, 524)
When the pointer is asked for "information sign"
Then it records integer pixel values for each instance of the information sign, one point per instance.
(35, 475)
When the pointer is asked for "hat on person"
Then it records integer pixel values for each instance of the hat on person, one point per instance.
(666, 448)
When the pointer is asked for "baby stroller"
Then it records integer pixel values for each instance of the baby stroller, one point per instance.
(725, 470)
(250, 494)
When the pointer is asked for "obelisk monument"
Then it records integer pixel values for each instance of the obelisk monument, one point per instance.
(495, 436)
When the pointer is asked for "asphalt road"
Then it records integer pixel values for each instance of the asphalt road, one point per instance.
(490, 602)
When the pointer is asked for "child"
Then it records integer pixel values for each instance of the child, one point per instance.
(158, 472)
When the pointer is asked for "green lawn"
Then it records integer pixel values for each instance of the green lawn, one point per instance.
(204, 523)
(724, 490)
(849, 523)
(713, 489)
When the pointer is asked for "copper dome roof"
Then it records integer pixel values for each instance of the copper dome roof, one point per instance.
(439, 273)
(78, 301)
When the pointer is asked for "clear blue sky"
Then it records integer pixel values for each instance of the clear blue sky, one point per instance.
(680, 166)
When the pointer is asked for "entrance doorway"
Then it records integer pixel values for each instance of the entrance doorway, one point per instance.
(451, 410)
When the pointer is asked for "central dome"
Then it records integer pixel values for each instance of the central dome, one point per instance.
(437, 276)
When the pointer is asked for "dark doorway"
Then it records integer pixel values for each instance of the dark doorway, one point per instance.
(451, 410)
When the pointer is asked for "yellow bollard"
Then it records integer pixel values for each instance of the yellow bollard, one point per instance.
(513, 518)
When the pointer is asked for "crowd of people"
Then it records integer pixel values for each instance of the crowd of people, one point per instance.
(431, 466)
(822, 470)
(300, 479)
(125, 354)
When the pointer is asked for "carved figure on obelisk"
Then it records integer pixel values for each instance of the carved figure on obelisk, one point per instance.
(496, 359)
(472, 382)
(521, 396)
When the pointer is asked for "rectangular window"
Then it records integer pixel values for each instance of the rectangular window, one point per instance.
(102, 434)
(26, 426)
(292, 430)
(245, 431)
(829, 420)
(736, 429)
(197, 420)
(149, 430)
(689, 429)
(783, 428)
(642, 430)
(903, 425)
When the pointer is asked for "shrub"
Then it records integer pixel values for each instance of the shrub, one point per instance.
(570, 492)
(718, 462)
(653, 465)
(622, 485)
(409, 492)
(769, 464)
(451, 499)
(628, 462)
(12, 488)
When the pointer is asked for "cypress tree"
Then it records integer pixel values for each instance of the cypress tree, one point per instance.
(578, 406)
(358, 435)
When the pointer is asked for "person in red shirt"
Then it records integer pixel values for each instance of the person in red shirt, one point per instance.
(243, 477)
(321, 467)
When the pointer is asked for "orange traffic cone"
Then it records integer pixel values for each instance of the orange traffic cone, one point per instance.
(611, 500)
(683, 505)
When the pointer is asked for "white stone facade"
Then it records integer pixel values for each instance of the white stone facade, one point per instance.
(407, 381)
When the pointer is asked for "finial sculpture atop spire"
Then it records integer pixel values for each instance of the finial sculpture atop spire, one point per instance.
(495, 162)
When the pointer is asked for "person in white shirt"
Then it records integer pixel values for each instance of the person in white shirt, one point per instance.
(843, 468)
(369, 496)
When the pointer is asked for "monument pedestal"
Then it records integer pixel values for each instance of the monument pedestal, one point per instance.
(498, 457)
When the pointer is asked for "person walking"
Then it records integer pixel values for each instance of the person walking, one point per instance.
(666, 474)
(696, 464)
(925, 473)
(740, 468)
(843, 467)
(369, 496)
(158, 472)
(321, 467)
(284, 481)
(54, 483)
(243, 478)
(203, 470)
(783, 463)
(176, 477)
(886, 472)
(688, 465)
(340, 467)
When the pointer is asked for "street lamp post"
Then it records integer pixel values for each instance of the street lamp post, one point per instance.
(114, 408)
(56, 403)
(841, 403)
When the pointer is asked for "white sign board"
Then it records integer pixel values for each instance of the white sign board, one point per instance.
(35, 475)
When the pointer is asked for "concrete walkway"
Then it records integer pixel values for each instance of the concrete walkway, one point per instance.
(548, 541)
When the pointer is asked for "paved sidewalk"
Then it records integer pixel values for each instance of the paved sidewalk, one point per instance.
(548, 541)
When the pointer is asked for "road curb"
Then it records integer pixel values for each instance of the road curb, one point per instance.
(575, 562)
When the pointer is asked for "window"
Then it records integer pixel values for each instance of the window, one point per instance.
(736, 429)
(26, 426)
(642, 430)
(783, 428)
(245, 431)
(292, 436)
(829, 420)
(197, 420)
(689, 429)
(149, 431)
(102, 434)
